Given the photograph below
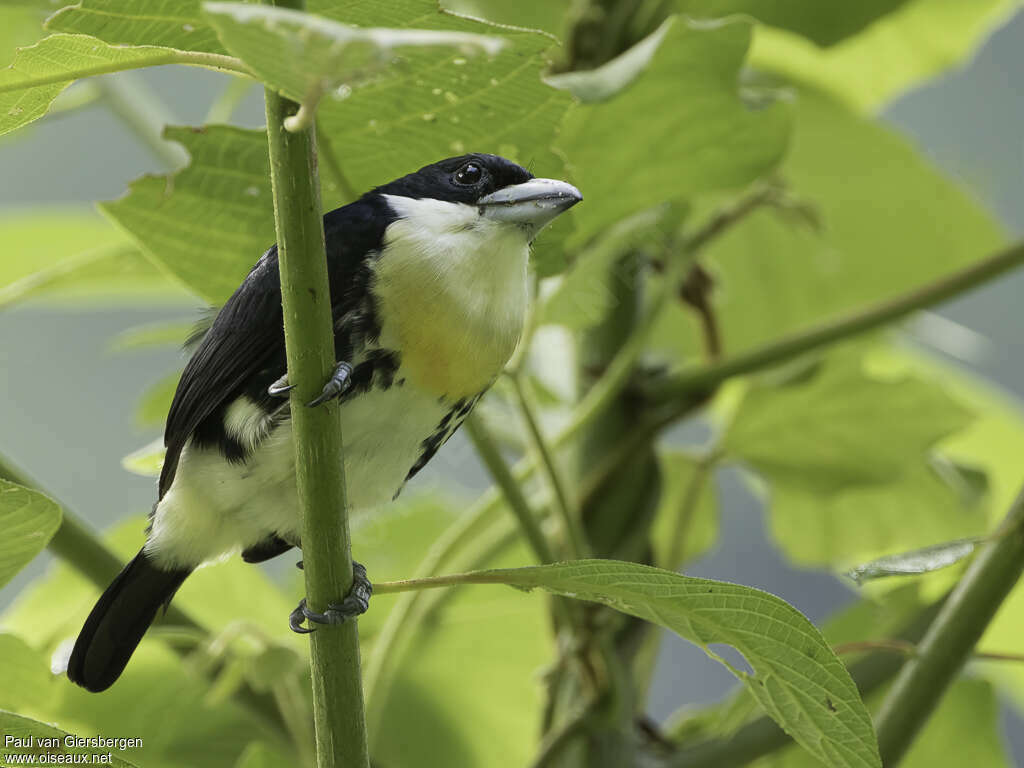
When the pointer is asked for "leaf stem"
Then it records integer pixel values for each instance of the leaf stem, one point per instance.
(491, 456)
(319, 470)
(128, 97)
(951, 638)
(160, 57)
(575, 539)
(786, 348)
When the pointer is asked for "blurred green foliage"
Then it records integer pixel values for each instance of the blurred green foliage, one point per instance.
(671, 117)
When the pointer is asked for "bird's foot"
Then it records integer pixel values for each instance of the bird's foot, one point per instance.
(355, 603)
(340, 381)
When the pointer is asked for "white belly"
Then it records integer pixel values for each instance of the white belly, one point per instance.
(214, 507)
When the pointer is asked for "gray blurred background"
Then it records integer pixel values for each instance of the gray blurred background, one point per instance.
(66, 413)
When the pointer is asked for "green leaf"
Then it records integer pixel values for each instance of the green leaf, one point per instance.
(842, 427)
(773, 278)
(820, 23)
(28, 683)
(848, 458)
(28, 519)
(40, 72)
(916, 561)
(147, 460)
(168, 23)
(435, 104)
(16, 727)
(920, 40)
(583, 296)
(305, 56)
(71, 255)
(686, 521)
(260, 755)
(211, 222)
(458, 726)
(709, 140)
(148, 335)
(796, 677)
(964, 730)
(156, 401)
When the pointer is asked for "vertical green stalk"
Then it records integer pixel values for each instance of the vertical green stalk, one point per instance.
(950, 639)
(309, 343)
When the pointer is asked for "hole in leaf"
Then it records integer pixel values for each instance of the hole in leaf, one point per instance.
(732, 657)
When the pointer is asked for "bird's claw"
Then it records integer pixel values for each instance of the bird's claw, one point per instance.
(355, 603)
(340, 381)
(280, 388)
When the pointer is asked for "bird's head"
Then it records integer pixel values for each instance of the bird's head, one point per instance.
(481, 190)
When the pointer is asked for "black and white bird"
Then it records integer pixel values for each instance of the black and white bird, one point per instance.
(428, 279)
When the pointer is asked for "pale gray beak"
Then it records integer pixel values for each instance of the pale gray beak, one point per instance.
(533, 203)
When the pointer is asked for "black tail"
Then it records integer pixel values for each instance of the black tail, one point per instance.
(119, 620)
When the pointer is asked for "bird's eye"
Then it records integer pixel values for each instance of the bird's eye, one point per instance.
(468, 174)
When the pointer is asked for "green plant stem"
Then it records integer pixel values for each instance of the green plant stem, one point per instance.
(145, 115)
(502, 476)
(951, 638)
(224, 106)
(571, 527)
(788, 347)
(319, 471)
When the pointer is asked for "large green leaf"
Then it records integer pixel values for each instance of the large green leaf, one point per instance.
(920, 40)
(889, 222)
(848, 458)
(28, 519)
(27, 682)
(40, 72)
(963, 731)
(28, 731)
(795, 675)
(73, 255)
(212, 222)
(822, 23)
(435, 104)
(493, 641)
(709, 139)
(168, 23)
(841, 427)
(305, 56)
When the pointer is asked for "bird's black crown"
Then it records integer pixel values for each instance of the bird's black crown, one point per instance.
(462, 179)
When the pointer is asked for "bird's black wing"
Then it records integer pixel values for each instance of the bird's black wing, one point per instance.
(243, 351)
(244, 345)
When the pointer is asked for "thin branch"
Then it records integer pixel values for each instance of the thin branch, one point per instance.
(224, 106)
(707, 377)
(319, 469)
(909, 649)
(333, 167)
(527, 518)
(951, 638)
(144, 114)
(571, 528)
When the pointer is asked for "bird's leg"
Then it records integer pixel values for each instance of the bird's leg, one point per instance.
(280, 388)
(354, 604)
(340, 380)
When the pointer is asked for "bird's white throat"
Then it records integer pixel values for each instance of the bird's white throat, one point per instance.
(452, 288)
